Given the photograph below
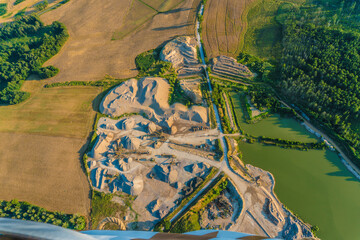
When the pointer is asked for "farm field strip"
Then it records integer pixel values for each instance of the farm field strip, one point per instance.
(52, 111)
(41, 142)
(162, 5)
(225, 26)
(138, 14)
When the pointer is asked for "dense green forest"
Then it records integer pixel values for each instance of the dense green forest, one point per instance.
(25, 45)
(3, 8)
(26, 211)
(320, 68)
(18, 1)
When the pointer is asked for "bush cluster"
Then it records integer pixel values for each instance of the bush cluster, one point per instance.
(25, 45)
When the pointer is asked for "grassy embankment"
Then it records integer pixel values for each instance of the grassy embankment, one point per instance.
(102, 206)
(190, 220)
(164, 224)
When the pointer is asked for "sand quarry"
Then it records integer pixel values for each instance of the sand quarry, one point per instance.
(162, 153)
(138, 156)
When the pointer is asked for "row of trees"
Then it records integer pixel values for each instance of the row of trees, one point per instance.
(26, 211)
(291, 144)
(25, 45)
(218, 98)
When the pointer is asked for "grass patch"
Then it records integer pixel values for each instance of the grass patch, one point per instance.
(264, 33)
(237, 108)
(190, 220)
(102, 206)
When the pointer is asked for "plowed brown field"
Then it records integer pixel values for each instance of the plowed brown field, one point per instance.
(224, 26)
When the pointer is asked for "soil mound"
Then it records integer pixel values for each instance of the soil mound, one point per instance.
(150, 96)
(182, 53)
(229, 67)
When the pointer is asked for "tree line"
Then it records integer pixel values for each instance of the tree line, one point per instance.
(26, 211)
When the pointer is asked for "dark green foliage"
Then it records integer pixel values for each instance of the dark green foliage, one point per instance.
(3, 8)
(320, 74)
(218, 98)
(145, 60)
(218, 149)
(314, 229)
(18, 1)
(25, 45)
(20, 14)
(46, 72)
(105, 83)
(188, 223)
(26, 211)
(263, 98)
(148, 64)
(291, 144)
(42, 5)
(264, 69)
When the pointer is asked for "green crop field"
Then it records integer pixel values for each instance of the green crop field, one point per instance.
(235, 99)
(263, 36)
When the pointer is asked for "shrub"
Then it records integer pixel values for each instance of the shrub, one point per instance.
(46, 72)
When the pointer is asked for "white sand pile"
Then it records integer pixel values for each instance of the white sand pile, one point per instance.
(150, 95)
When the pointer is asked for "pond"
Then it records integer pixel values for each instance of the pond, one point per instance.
(315, 185)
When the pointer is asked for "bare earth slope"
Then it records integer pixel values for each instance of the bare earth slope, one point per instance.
(90, 52)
